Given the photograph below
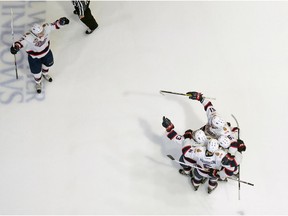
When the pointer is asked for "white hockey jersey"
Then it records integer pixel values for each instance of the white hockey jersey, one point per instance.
(217, 132)
(186, 143)
(38, 47)
(198, 154)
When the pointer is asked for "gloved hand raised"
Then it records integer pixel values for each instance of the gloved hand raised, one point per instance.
(14, 49)
(166, 123)
(195, 95)
(188, 134)
(241, 145)
(64, 21)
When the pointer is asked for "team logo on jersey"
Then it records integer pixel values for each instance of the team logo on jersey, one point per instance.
(207, 162)
(39, 43)
(178, 137)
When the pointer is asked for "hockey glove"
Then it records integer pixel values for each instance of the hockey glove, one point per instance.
(213, 173)
(188, 134)
(195, 96)
(64, 21)
(166, 123)
(241, 145)
(228, 159)
(14, 50)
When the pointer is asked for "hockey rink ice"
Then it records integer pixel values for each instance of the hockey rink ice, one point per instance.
(93, 143)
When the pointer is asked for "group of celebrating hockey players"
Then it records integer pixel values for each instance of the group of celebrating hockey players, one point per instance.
(37, 42)
(212, 152)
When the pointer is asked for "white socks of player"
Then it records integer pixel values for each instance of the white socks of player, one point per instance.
(39, 82)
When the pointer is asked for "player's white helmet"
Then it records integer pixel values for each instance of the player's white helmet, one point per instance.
(217, 122)
(37, 29)
(212, 145)
(199, 136)
(224, 141)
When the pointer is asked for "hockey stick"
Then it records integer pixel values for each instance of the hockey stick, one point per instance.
(173, 159)
(176, 93)
(237, 125)
(12, 33)
(239, 164)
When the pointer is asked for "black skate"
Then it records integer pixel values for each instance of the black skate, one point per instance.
(89, 31)
(211, 190)
(193, 185)
(182, 172)
(223, 180)
(48, 78)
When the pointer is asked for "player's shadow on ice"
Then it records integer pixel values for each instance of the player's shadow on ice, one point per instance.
(192, 120)
(169, 147)
(159, 139)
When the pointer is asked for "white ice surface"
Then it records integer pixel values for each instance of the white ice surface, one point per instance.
(95, 144)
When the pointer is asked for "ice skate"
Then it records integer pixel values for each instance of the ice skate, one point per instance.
(183, 172)
(193, 185)
(210, 190)
(203, 180)
(236, 173)
(48, 78)
(223, 180)
(38, 87)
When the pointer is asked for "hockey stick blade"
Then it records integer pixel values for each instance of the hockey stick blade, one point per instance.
(163, 92)
(244, 182)
(171, 157)
(169, 92)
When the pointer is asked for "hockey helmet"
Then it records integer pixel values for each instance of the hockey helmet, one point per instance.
(199, 136)
(217, 122)
(224, 141)
(212, 145)
(37, 29)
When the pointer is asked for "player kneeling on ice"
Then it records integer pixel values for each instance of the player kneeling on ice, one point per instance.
(189, 141)
(37, 45)
(217, 127)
